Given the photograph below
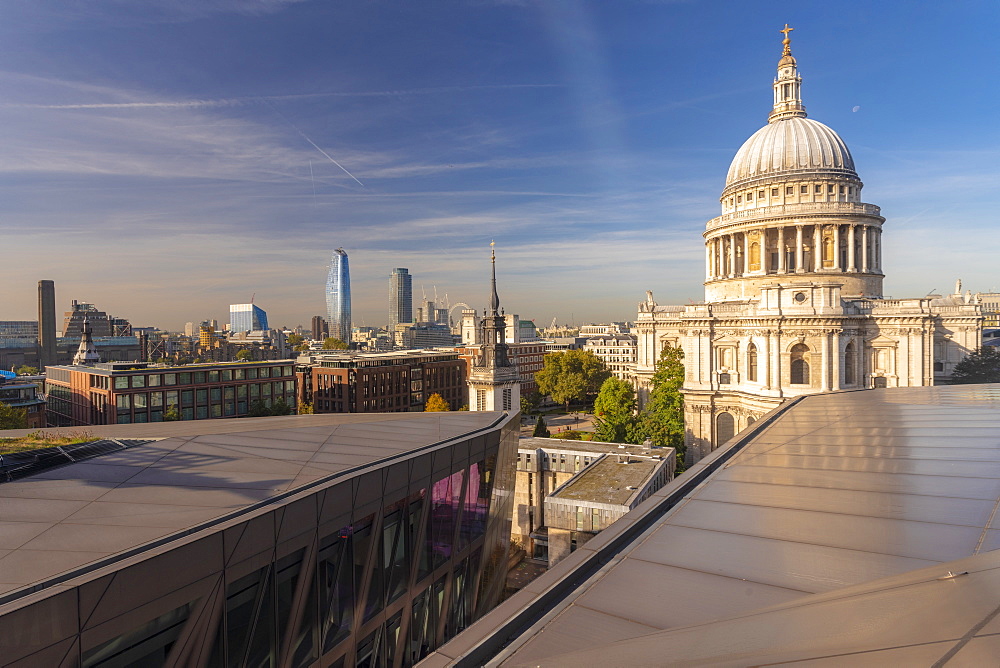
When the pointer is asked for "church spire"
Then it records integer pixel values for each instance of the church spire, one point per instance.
(495, 298)
(86, 354)
(787, 85)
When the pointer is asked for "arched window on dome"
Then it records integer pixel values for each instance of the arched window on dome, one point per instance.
(828, 250)
(850, 364)
(754, 256)
(752, 363)
(725, 428)
(799, 365)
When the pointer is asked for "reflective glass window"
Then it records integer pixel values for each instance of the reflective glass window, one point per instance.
(184, 378)
(121, 382)
(147, 645)
(154, 380)
(138, 381)
(170, 379)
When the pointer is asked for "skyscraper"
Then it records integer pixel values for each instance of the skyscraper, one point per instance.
(338, 296)
(400, 297)
(46, 323)
(247, 318)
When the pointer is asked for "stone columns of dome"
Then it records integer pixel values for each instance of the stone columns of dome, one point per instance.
(877, 250)
(799, 254)
(767, 359)
(817, 264)
(732, 256)
(837, 360)
(745, 267)
(824, 375)
(708, 260)
(836, 247)
(781, 250)
(865, 256)
(851, 264)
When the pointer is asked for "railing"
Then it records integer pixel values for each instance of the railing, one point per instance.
(804, 208)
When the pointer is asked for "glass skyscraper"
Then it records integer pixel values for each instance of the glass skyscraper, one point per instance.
(246, 318)
(338, 296)
(400, 297)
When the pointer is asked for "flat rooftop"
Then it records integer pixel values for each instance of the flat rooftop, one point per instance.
(609, 480)
(833, 527)
(587, 446)
(66, 518)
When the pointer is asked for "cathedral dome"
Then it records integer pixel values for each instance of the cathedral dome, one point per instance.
(795, 144)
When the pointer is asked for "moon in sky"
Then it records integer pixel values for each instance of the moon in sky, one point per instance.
(855, 109)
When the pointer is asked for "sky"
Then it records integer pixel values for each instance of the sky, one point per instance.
(166, 158)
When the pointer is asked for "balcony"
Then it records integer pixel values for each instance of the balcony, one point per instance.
(805, 209)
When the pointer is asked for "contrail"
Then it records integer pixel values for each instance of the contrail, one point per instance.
(311, 142)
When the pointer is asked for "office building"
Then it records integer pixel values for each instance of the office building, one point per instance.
(19, 329)
(400, 297)
(46, 323)
(320, 328)
(353, 382)
(137, 392)
(246, 318)
(305, 541)
(793, 288)
(617, 351)
(848, 528)
(338, 296)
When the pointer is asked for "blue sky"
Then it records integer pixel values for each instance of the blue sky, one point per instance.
(166, 158)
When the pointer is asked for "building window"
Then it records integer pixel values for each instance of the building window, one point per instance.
(774, 192)
(800, 364)
(480, 400)
(507, 402)
(752, 363)
(804, 190)
(819, 188)
(789, 190)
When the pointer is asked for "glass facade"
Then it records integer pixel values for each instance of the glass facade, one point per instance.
(376, 567)
(338, 296)
(247, 318)
(400, 297)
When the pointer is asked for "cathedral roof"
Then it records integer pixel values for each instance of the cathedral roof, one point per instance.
(790, 142)
(790, 145)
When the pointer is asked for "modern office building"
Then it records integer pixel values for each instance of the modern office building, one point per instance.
(247, 318)
(320, 328)
(338, 296)
(402, 381)
(300, 541)
(137, 392)
(848, 528)
(400, 297)
(19, 329)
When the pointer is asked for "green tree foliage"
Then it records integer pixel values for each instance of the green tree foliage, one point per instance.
(614, 410)
(571, 435)
(662, 420)
(980, 366)
(258, 409)
(333, 343)
(573, 375)
(530, 403)
(171, 414)
(294, 339)
(541, 431)
(436, 404)
(25, 370)
(281, 407)
(13, 418)
(244, 356)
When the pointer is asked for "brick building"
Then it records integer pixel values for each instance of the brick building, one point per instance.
(352, 382)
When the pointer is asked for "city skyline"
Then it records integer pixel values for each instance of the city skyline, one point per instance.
(183, 142)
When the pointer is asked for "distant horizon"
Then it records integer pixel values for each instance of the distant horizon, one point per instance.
(163, 159)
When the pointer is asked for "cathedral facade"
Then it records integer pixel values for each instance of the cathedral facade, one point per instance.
(793, 287)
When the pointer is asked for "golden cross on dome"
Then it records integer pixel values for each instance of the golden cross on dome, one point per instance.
(787, 41)
(492, 253)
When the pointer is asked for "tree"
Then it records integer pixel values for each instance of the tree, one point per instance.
(25, 370)
(281, 407)
(571, 375)
(305, 408)
(662, 419)
(258, 409)
(13, 418)
(171, 414)
(244, 356)
(614, 410)
(333, 343)
(530, 403)
(541, 431)
(980, 366)
(294, 339)
(436, 404)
